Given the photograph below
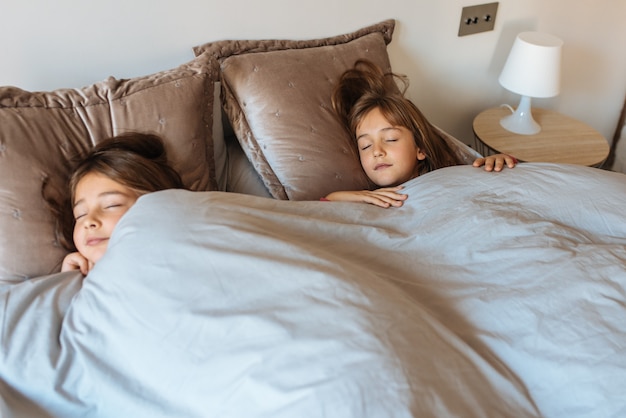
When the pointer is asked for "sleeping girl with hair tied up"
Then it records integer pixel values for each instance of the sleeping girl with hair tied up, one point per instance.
(102, 187)
(396, 142)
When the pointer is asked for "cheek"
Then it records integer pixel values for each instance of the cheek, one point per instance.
(77, 232)
(364, 155)
(366, 163)
(79, 239)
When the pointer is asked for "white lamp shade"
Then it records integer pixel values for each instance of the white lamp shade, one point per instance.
(533, 67)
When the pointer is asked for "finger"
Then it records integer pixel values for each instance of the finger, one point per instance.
(396, 196)
(511, 161)
(383, 201)
(377, 202)
(81, 264)
(70, 264)
(391, 196)
(499, 165)
(393, 202)
(478, 162)
(84, 266)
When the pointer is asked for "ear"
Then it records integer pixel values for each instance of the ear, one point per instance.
(420, 155)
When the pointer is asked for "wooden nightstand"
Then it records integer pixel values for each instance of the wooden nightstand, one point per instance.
(561, 140)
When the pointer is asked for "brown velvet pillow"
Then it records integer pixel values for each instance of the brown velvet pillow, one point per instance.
(40, 132)
(277, 93)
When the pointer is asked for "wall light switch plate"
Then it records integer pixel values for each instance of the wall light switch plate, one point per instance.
(476, 19)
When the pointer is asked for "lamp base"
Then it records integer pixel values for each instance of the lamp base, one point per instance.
(521, 122)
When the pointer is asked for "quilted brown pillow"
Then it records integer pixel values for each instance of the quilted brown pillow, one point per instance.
(277, 98)
(41, 131)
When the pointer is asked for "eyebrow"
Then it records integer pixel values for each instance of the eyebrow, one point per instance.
(103, 194)
(389, 128)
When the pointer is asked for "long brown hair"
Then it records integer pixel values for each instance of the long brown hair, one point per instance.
(135, 160)
(366, 87)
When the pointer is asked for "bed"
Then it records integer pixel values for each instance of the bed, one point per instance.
(485, 294)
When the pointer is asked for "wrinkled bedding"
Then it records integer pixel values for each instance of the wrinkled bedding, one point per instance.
(486, 294)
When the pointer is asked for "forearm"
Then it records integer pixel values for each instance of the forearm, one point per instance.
(385, 197)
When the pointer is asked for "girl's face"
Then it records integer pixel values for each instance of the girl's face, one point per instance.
(388, 153)
(99, 203)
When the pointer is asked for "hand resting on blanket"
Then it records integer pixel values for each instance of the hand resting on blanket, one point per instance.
(386, 197)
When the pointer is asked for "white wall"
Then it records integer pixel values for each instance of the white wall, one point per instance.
(46, 45)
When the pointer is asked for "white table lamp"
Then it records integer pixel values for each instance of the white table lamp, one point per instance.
(533, 69)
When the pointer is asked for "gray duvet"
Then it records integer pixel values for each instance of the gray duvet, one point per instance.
(484, 295)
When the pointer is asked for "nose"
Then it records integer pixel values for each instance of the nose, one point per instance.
(378, 151)
(90, 222)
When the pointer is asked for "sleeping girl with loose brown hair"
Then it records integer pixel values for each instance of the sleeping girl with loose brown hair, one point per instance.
(103, 186)
(395, 141)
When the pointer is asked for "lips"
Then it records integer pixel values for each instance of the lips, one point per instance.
(381, 166)
(95, 241)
